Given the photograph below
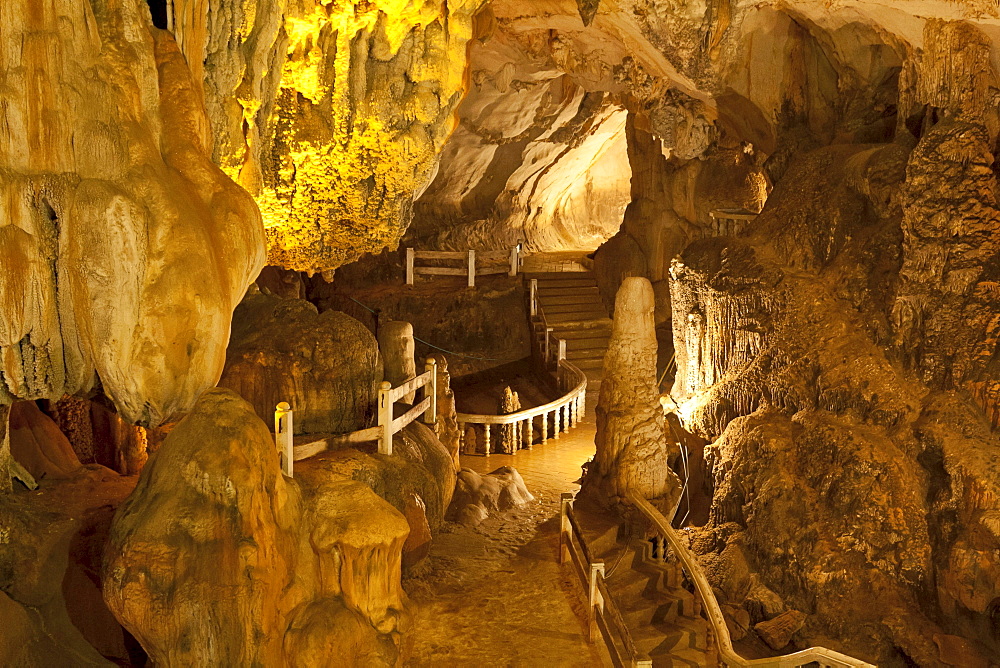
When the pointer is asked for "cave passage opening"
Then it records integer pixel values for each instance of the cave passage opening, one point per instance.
(160, 11)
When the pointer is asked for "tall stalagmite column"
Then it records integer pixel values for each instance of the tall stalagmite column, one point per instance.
(395, 342)
(632, 450)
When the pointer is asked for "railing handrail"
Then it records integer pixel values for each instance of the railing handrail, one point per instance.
(512, 257)
(603, 614)
(387, 426)
(723, 640)
(529, 413)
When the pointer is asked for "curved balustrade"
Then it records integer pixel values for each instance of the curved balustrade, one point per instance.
(710, 606)
(565, 412)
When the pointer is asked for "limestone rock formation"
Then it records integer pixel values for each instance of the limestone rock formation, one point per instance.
(632, 448)
(537, 157)
(446, 425)
(395, 343)
(478, 496)
(330, 114)
(507, 441)
(326, 365)
(37, 444)
(125, 249)
(216, 558)
(839, 467)
(419, 466)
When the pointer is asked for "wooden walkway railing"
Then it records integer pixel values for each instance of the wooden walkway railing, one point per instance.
(826, 658)
(491, 262)
(604, 617)
(381, 432)
(566, 412)
(570, 381)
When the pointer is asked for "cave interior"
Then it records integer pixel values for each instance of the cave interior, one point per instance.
(500, 332)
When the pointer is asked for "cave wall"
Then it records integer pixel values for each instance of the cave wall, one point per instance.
(537, 158)
(125, 249)
(330, 114)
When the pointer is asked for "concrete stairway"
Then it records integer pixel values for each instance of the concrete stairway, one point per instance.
(573, 308)
(659, 612)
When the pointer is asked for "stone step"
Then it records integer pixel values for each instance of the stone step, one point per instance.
(575, 353)
(598, 329)
(556, 275)
(679, 635)
(590, 363)
(565, 283)
(592, 307)
(579, 296)
(684, 658)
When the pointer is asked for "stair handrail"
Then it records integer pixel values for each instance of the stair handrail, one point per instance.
(727, 654)
(603, 616)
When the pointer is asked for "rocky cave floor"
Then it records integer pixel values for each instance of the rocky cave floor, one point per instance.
(495, 594)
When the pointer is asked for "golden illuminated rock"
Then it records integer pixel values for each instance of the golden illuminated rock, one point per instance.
(124, 249)
(330, 113)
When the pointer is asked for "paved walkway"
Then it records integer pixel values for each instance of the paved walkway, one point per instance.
(552, 468)
(495, 595)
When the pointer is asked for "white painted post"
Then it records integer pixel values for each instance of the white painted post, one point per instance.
(545, 427)
(472, 268)
(284, 437)
(513, 261)
(486, 439)
(527, 433)
(430, 390)
(409, 266)
(557, 422)
(565, 530)
(533, 296)
(595, 599)
(562, 350)
(548, 332)
(385, 418)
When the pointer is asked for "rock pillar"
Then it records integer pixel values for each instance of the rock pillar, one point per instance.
(632, 447)
(446, 426)
(395, 341)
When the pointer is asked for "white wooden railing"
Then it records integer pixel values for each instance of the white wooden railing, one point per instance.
(570, 381)
(491, 262)
(826, 658)
(603, 616)
(387, 426)
(566, 412)
(730, 222)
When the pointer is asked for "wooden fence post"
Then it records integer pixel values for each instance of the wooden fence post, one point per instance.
(595, 599)
(385, 418)
(533, 296)
(565, 530)
(548, 331)
(472, 268)
(486, 438)
(513, 261)
(562, 350)
(409, 266)
(284, 437)
(430, 390)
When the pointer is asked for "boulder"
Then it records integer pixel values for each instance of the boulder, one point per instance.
(37, 444)
(477, 496)
(326, 365)
(778, 632)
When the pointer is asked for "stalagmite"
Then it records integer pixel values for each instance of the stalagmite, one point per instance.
(632, 450)
(446, 425)
(509, 403)
(395, 342)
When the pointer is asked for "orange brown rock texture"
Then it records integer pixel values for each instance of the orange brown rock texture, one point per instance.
(217, 558)
(125, 249)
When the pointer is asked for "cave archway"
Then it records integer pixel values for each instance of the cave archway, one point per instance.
(160, 11)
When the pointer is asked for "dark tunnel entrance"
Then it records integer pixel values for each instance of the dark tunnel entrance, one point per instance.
(158, 10)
